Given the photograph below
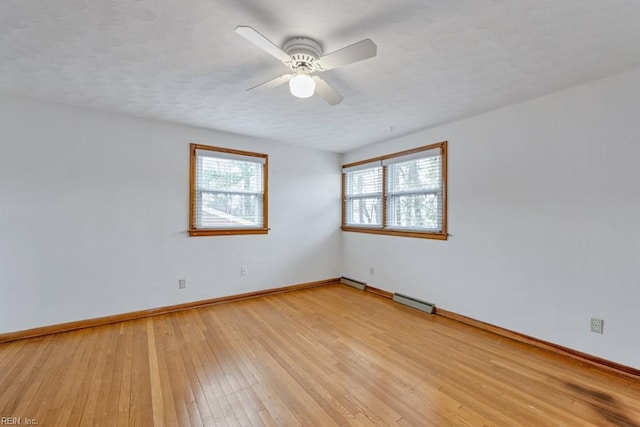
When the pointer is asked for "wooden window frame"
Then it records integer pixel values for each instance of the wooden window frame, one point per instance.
(440, 235)
(193, 231)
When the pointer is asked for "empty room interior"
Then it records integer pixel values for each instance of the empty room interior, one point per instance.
(348, 212)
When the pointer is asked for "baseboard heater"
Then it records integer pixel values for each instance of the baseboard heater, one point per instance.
(415, 303)
(353, 283)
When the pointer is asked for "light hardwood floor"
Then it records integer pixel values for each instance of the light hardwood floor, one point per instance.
(326, 356)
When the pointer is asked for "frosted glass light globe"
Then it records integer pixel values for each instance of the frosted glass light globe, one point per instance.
(302, 86)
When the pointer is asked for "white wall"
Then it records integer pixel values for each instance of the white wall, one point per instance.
(94, 213)
(544, 209)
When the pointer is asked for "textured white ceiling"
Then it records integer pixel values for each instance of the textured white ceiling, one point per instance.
(438, 60)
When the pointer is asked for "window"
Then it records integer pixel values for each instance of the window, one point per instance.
(363, 194)
(402, 194)
(228, 191)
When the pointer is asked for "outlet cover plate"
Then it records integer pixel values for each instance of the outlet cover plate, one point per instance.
(597, 326)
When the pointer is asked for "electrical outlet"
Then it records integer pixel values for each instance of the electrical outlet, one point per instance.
(597, 326)
(372, 271)
(182, 283)
(244, 270)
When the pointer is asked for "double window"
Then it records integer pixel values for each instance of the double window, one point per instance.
(228, 191)
(400, 194)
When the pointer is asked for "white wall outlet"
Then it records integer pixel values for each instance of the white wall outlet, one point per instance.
(597, 326)
(372, 271)
(244, 270)
(182, 283)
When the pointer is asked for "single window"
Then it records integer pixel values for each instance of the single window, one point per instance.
(400, 194)
(228, 190)
(364, 196)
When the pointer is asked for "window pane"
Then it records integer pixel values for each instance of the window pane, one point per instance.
(229, 175)
(228, 192)
(412, 175)
(415, 211)
(364, 211)
(364, 181)
(230, 210)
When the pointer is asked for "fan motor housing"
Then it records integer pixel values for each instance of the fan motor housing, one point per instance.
(303, 51)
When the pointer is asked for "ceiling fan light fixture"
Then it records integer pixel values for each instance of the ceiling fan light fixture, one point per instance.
(302, 86)
(304, 56)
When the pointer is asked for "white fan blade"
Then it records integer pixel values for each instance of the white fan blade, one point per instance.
(263, 43)
(273, 82)
(364, 49)
(326, 92)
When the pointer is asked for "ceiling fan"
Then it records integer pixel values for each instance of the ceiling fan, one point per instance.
(303, 56)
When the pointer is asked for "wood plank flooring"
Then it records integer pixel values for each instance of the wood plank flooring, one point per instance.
(325, 356)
